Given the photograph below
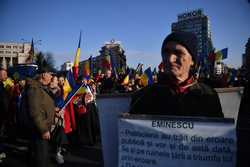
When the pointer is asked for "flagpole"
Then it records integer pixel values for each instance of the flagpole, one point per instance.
(72, 96)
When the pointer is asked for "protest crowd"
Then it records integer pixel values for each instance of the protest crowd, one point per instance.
(73, 112)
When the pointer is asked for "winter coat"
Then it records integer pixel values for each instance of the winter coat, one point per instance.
(4, 103)
(243, 129)
(190, 99)
(40, 106)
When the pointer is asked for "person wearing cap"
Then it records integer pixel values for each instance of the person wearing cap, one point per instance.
(178, 92)
(41, 110)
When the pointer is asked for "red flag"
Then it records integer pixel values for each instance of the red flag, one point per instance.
(69, 117)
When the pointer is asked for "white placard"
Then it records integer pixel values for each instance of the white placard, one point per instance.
(176, 142)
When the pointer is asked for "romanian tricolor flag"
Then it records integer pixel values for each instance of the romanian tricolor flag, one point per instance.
(222, 54)
(77, 59)
(69, 84)
(147, 77)
(71, 91)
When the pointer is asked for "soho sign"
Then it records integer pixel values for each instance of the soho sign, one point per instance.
(190, 14)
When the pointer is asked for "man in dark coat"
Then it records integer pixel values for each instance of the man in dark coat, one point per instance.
(41, 108)
(108, 83)
(178, 92)
(4, 99)
(243, 129)
(4, 104)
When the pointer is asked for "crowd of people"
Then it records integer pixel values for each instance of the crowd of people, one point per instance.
(30, 106)
(30, 110)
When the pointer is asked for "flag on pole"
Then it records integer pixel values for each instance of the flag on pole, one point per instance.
(70, 89)
(77, 59)
(31, 53)
(147, 77)
(222, 54)
(69, 84)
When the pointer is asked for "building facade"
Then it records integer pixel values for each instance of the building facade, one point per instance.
(66, 66)
(246, 57)
(112, 53)
(12, 54)
(198, 23)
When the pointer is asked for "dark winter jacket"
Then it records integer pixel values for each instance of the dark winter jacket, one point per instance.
(164, 98)
(4, 103)
(243, 129)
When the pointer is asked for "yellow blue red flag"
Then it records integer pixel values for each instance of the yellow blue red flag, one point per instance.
(77, 59)
(147, 77)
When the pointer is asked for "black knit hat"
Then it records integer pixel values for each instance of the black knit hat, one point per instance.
(187, 39)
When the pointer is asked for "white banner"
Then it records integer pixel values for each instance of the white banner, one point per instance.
(176, 142)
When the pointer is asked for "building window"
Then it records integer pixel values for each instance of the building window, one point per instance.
(1, 51)
(8, 46)
(1, 46)
(20, 47)
(15, 47)
(8, 52)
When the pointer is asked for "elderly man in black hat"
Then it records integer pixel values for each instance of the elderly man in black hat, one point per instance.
(41, 111)
(178, 92)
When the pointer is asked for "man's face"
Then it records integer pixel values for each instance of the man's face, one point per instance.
(177, 60)
(46, 78)
(54, 82)
(108, 73)
(3, 75)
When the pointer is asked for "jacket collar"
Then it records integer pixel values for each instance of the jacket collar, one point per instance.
(178, 87)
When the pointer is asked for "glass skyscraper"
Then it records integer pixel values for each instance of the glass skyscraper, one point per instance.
(197, 22)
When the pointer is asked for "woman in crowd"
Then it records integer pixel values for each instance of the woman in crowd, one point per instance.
(58, 136)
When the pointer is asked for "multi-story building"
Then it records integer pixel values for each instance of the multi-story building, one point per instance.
(198, 23)
(219, 68)
(111, 52)
(246, 57)
(12, 54)
(66, 66)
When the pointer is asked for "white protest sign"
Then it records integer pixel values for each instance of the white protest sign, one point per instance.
(152, 141)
